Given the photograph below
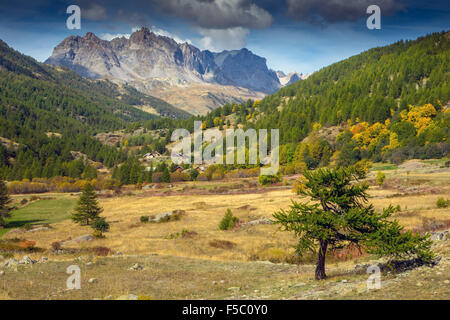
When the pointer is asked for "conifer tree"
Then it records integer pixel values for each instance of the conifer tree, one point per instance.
(5, 200)
(340, 216)
(88, 208)
(100, 226)
(166, 174)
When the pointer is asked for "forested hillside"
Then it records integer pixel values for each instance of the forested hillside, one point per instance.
(371, 86)
(396, 97)
(46, 112)
(385, 104)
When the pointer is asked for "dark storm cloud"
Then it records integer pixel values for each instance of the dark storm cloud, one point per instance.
(92, 10)
(218, 14)
(332, 11)
(135, 19)
(208, 14)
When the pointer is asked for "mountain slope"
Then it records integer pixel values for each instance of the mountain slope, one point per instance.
(390, 103)
(371, 86)
(46, 112)
(154, 64)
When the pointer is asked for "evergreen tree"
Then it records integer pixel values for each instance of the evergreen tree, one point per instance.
(166, 174)
(88, 208)
(100, 226)
(89, 172)
(341, 216)
(5, 200)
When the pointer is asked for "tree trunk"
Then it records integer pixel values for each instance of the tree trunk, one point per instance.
(320, 267)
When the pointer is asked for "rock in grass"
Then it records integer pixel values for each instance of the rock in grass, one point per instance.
(167, 216)
(93, 280)
(27, 260)
(234, 288)
(2, 273)
(440, 236)
(136, 266)
(87, 237)
(11, 262)
(257, 222)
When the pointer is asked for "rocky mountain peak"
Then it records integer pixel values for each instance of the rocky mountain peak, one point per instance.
(153, 62)
(91, 36)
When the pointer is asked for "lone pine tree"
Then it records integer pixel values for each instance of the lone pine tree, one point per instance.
(88, 208)
(340, 215)
(5, 200)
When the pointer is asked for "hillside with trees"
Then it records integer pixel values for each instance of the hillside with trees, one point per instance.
(47, 112)
(385, 104)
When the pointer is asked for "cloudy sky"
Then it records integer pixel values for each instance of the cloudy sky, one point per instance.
(301, 35)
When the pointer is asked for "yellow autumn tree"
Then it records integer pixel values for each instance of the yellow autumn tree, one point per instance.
(420, 117)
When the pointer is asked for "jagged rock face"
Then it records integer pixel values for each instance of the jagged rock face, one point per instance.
(160, 61)
(244, 69)
(88, 56)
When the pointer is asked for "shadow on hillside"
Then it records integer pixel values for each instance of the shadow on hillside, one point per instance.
(19, 224)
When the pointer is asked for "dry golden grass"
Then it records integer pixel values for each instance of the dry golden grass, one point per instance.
(186, 267)
(203, 213)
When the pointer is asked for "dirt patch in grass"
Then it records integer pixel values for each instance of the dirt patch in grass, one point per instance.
(222, 244)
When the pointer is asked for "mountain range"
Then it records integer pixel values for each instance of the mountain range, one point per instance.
(189, 78)
(402, 90)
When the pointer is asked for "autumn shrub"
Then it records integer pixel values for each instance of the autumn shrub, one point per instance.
(99, 251)
(243, 173)
(179, 176)
(185, 233)
(381, 177)
(23, 187)
(56, 246)
(18, 245)
(218, 175)
(362, 168)
(268, 179)
(27, 244)
(442, 203)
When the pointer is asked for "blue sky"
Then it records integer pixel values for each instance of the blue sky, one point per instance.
(300, 35)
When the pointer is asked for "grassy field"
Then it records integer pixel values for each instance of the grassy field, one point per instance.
(170, 277)
(203, 214)
(259, 260)
(47, 210)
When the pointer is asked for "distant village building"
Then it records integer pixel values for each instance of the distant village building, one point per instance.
(152, 155)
